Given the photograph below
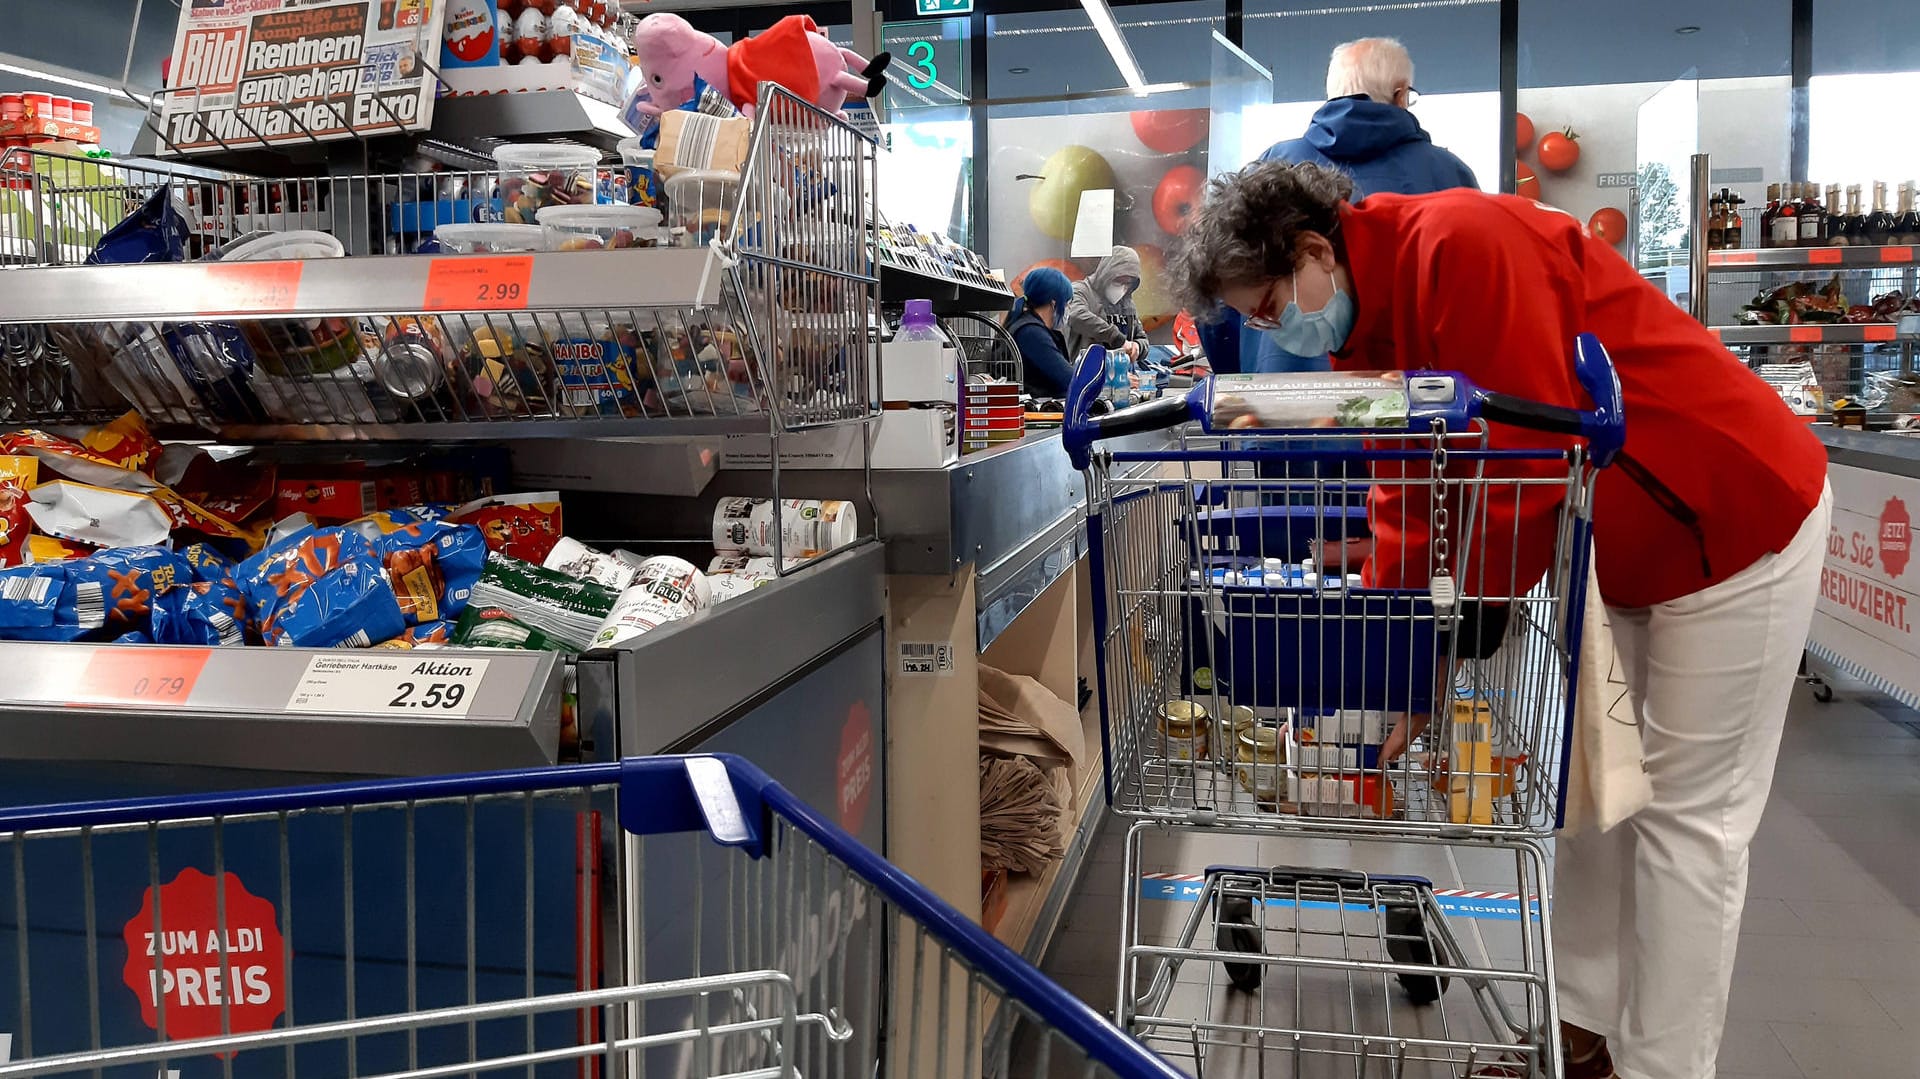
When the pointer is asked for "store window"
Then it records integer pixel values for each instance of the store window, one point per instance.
(1048, 53)
(926, 172)
(1456, 57)
(1863, 74)
(1643, 94)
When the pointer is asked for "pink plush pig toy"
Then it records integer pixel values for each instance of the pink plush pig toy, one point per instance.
(792, 52)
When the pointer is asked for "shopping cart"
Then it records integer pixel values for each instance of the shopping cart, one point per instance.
(1344, 610)
(453, 926)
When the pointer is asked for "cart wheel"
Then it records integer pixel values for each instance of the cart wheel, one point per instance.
(1822, 692)
(1235, 932)
(1407, 942)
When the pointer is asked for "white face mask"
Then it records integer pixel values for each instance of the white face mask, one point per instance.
(1116, 293)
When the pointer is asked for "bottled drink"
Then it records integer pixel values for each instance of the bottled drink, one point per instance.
(1730, 236)
(1119, 378)
(1812, 219)
(1879, 222)
(1785, 230)
(1716, 222)
(1907, 226)
(1851, 220)
(1834, 230)
(1768, 213)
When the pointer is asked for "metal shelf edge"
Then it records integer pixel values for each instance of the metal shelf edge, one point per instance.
(1811, 258)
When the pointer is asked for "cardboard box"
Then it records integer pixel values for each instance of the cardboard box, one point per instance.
(330, 499)
(470, 61)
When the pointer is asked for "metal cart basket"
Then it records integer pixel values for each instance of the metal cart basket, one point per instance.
(1343, 608)
(356, 930)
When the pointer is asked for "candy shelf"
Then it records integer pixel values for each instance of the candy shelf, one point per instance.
(1810, 258)
(754, 321)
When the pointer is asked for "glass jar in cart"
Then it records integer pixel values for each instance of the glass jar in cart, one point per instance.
(1184, 724)
(1256, 754)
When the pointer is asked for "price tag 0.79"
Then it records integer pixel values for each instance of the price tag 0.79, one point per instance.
(466, 283)
(141, 676)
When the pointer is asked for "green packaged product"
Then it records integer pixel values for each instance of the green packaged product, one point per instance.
(566, 611)
(492, 627)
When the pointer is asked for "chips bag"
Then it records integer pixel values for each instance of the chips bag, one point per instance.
(432, 567)
(320, 588)
(524, 526)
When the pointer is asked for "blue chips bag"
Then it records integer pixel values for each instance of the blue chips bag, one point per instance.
(321, 588)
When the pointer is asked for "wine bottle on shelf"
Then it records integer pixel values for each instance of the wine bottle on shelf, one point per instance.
(1853, 222)
(1879, 222)
(1907, 225)
(1833, 229)
(1785, 228)
(1716, 221)
(1730, 236)
(1812, 218)
(1767, 214)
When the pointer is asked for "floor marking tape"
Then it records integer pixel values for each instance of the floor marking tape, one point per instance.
(1459, 902)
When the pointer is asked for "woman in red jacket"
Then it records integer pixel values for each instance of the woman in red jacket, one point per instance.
(1709, 532)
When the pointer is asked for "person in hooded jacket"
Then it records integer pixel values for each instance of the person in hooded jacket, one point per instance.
(1366, 131)
(1044, 294)
(1102, 312)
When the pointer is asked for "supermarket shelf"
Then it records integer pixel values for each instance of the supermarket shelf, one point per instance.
(1810, 258)
(478, 122)
(1830, 333)
(348, 287)
(1879, 451)
(242, 708)
(898, 284)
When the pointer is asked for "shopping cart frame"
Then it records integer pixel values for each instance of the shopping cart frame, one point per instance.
(726, 798)
(1173, 582)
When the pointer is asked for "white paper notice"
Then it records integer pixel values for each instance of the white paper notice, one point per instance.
(1093, 225)
(403, 685)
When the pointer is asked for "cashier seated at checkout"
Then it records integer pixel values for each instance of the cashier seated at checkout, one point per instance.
(1033, 325)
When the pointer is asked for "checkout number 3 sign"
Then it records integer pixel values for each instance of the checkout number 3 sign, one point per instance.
(926, 73)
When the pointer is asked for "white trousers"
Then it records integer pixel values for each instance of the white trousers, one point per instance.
(1646, 916)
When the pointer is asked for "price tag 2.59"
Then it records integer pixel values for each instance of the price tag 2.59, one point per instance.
(399, 686)
(466, 283)
(141, 676)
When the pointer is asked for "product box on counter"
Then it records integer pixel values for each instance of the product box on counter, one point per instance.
(904, 438)
(595, 64)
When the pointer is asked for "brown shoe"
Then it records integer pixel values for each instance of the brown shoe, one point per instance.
(1597, 1064)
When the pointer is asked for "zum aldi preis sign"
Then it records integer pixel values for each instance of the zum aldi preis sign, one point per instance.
(188, 965)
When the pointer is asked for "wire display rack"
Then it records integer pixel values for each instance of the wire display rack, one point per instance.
(752, 321)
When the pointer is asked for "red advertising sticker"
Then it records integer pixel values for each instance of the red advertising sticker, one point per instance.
(188, 968)
(855, 768)
(1896, 537)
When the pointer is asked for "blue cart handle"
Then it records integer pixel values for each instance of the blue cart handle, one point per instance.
(1602, 426)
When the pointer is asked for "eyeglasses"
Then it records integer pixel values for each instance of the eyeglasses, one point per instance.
(1266, 316)
(1413, 96)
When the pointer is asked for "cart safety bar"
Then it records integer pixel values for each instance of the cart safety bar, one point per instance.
(723, 795)
(1602, 427)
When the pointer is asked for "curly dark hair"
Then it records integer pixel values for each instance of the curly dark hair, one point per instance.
(1247, 227)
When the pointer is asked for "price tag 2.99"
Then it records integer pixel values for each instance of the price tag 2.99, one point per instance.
(403, 685)
(467, 283)
(141, 676)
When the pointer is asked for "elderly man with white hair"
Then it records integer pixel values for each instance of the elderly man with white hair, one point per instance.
(1365, 131)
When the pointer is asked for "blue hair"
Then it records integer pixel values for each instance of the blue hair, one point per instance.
(1043, 285)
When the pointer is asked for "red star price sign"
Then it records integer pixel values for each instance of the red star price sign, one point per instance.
(188, 965)
(1896, 537)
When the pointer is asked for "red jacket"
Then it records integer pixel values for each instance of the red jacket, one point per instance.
(1496, 287)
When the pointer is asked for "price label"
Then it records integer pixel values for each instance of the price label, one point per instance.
(465, 283)
(141, 676)
(1825, 256)
(242, 288)
(404, 685)
(1731, 258)
(1896, 254)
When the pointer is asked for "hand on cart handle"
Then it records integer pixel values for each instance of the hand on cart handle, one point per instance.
(1428, 396)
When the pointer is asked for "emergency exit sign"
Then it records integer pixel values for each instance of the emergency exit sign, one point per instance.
(943, 7)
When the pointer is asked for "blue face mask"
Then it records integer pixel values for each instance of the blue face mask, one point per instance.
(1316, 333)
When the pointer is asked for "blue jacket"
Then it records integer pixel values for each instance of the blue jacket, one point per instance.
(1384, 148)
(1048, 367)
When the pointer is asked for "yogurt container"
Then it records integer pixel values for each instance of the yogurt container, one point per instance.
(489, 238)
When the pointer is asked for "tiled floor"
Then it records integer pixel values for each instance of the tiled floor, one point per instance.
(1828, 978)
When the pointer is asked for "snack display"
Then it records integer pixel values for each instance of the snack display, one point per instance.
(535, 176)
(597, 227)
